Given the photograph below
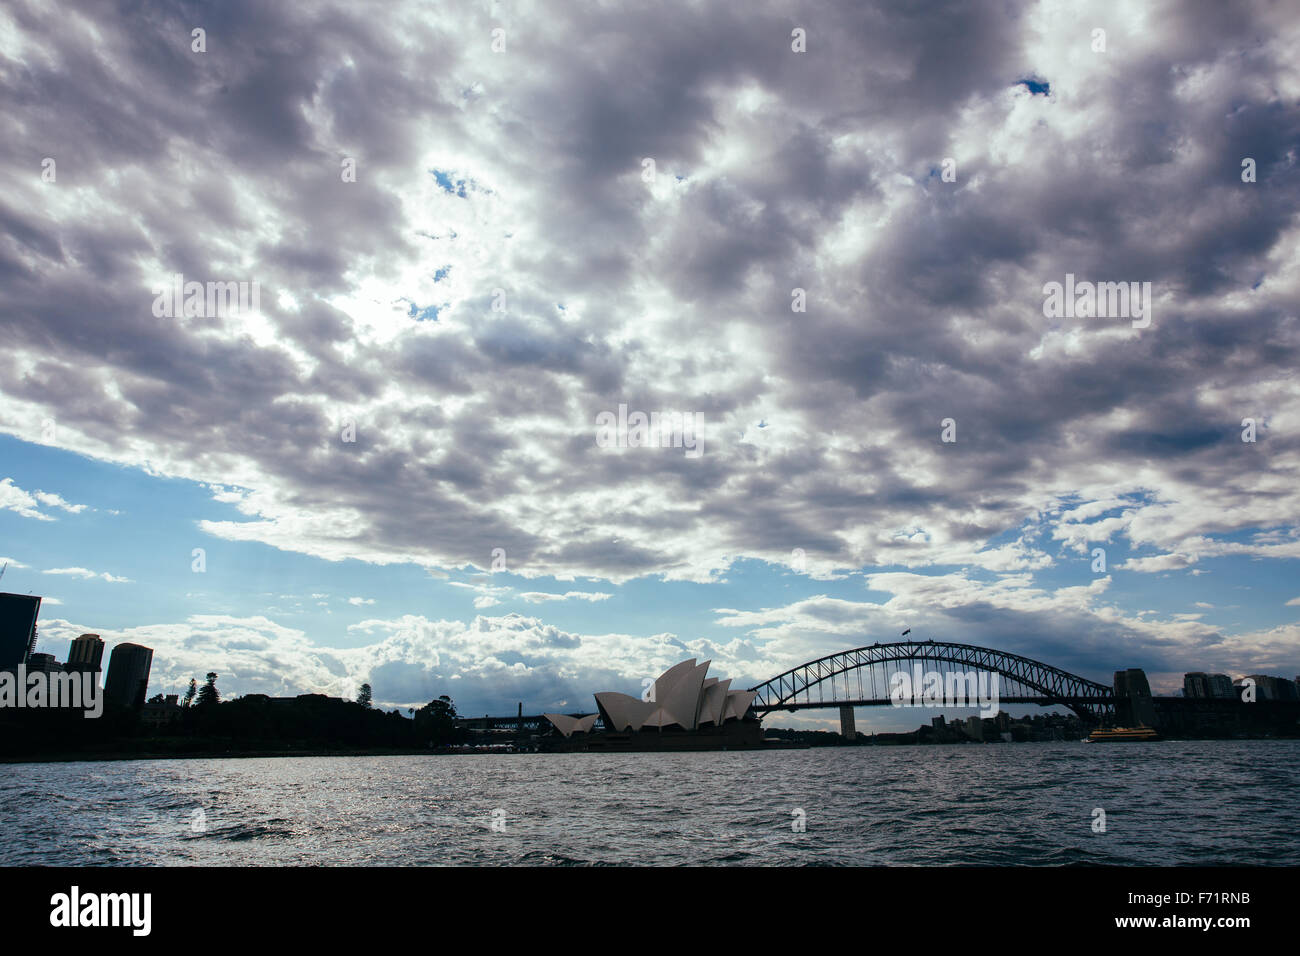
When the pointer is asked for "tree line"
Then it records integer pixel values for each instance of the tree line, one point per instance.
(205, 723)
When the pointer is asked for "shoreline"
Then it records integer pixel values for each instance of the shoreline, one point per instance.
(118, 755)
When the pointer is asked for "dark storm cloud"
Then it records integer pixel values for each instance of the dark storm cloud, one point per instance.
(776, 170)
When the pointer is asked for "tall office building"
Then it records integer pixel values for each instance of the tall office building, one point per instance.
(85, 653)
(44, 664)
(1268, 687)
(1200, 684)
(1221, 686)
(18, 614)
(128, 675)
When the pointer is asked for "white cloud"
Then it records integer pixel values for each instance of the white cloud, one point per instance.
(486, 665)
(475, 428)
(670, 292)
(1156, 563)
(28, 504)
(541, 597)
(87, 575)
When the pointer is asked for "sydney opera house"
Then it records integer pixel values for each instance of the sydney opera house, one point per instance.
(686, 710)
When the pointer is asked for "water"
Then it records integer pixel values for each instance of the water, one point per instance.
(1014, 804)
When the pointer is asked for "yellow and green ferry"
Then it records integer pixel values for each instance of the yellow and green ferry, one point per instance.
(1122, 734)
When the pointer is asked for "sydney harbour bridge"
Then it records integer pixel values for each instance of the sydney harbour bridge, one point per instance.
(861, 677)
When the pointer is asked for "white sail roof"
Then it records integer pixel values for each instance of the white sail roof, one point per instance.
(669, 680)
(738, 702)
(570, 725)
(677, 696)
(683, 696)
(714, 705)
(624, 712)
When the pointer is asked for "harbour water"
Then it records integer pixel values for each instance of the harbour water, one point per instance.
(1172, 802)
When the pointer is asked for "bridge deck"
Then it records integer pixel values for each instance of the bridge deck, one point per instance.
(887, 702)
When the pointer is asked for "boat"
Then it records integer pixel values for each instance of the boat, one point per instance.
(1122, 734)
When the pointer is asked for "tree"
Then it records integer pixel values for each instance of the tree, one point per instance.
(436, 721)
(208, 694)
(363, 696)
(189, 694)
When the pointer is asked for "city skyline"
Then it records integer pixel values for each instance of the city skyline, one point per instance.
(694, 708)
(130, 666)
(369, 446)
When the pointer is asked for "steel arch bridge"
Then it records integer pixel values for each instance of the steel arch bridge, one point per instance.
(850, 679)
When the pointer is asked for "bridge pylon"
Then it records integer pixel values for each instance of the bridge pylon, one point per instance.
(847, 728)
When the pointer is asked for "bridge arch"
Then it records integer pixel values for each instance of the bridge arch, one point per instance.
(793, 689)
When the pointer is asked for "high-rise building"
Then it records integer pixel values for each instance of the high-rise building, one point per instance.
(1196, 684)
(1201, 685)
(85, 653)
(18, 614)
(1221, 686)
(128, 675)
(1272, 688)
(44, 664)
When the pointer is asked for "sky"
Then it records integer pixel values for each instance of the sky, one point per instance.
(824, 233)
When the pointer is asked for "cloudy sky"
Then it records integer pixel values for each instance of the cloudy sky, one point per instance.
(822, 230)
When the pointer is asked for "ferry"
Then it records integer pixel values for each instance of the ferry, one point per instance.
(1122, 734)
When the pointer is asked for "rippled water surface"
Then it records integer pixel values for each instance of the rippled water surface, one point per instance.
(1032, 804)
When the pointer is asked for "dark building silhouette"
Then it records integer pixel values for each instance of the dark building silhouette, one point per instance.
(160, 714)
(18, 614)
(1201, 685)
(86, 653)
(1268, 687)
(1133, 704)
(128, 675)
(44, 664)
